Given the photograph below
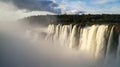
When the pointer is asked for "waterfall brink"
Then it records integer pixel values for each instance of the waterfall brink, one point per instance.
(98, 40)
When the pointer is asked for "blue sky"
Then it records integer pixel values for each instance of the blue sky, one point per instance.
(69, 6)
(92, 6)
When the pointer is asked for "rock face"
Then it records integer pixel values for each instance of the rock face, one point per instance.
(117, 28)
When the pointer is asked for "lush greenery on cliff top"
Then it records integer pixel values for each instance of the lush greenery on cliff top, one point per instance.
(75, 19)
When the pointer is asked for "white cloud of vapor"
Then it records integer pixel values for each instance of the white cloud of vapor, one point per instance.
(7, 12)
(11, 12)
(35, 5)
(103, 1)
(66, 6)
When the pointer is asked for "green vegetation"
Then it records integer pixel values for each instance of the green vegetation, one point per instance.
(83, 20)
(76, 19)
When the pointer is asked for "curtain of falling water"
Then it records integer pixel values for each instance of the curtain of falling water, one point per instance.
(93, 39)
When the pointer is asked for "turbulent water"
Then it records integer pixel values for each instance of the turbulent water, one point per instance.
(100, 41)
(59, 46)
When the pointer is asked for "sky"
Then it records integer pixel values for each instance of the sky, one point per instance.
(67, 6)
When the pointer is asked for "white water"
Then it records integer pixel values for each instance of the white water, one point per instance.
(21, 47)
(96, 40)
(57, 46)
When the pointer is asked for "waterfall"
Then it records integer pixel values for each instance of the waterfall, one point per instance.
(74, 37)
(97, 40)
(118, 50)
(101, 37)
(110, 42)
(91, 43)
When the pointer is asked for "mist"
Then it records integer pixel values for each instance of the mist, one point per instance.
(25, 46)
(22, 45)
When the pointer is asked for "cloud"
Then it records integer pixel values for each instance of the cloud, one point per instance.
(67, 6)
(7, 12)
(35, 5)
(47, 5)
(71, 7)
(33, 13)
(91, 6)
(103, 1)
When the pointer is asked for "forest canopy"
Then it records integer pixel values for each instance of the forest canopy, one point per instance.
(75, 19)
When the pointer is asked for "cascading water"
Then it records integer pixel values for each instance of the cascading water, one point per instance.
(97, 40)
(61, 46)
